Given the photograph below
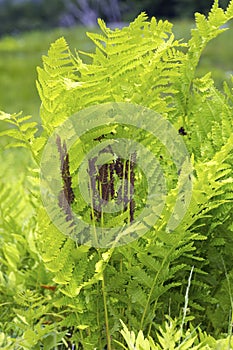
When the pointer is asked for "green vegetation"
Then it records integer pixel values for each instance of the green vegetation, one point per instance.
(20, 55)
(57, 293)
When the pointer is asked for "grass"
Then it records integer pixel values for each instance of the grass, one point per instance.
(20, 55)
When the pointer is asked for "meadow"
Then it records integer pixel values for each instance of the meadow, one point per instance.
(19, 57)
(21, 54)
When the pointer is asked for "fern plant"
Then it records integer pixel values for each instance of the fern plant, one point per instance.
(143, 281)
(170, 337)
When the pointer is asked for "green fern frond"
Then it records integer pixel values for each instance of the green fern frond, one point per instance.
(23, 131)
(57, 66)
(138, 279)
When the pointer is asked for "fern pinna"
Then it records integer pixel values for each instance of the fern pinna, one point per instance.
(141, 282)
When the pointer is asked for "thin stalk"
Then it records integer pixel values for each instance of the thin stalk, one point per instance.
(123, 186)
(186, 300)
(109, 346)
(101, 207)
(150, 325)
(231, 301)
(92, 206)
(98, 315)
(153, 286)
(129, 191)
(121, 270)
(95, 234)
(104, 293)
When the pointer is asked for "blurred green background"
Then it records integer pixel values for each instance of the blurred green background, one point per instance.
(27, 27)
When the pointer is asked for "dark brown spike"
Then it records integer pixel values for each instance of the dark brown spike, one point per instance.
(66, 196)
(131, 210)
(132, 163)
(92, 172)
(119, 168)
(103, 181)
(111, 180)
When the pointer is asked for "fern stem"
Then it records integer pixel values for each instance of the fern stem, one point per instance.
(123, 186)
(186, 301)
(231, 301)
(153, 312)
(92, 204)
(101, 207)
(101, 195)
(129, 190)
(109, 346)
(98, 314)
(153, 286)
